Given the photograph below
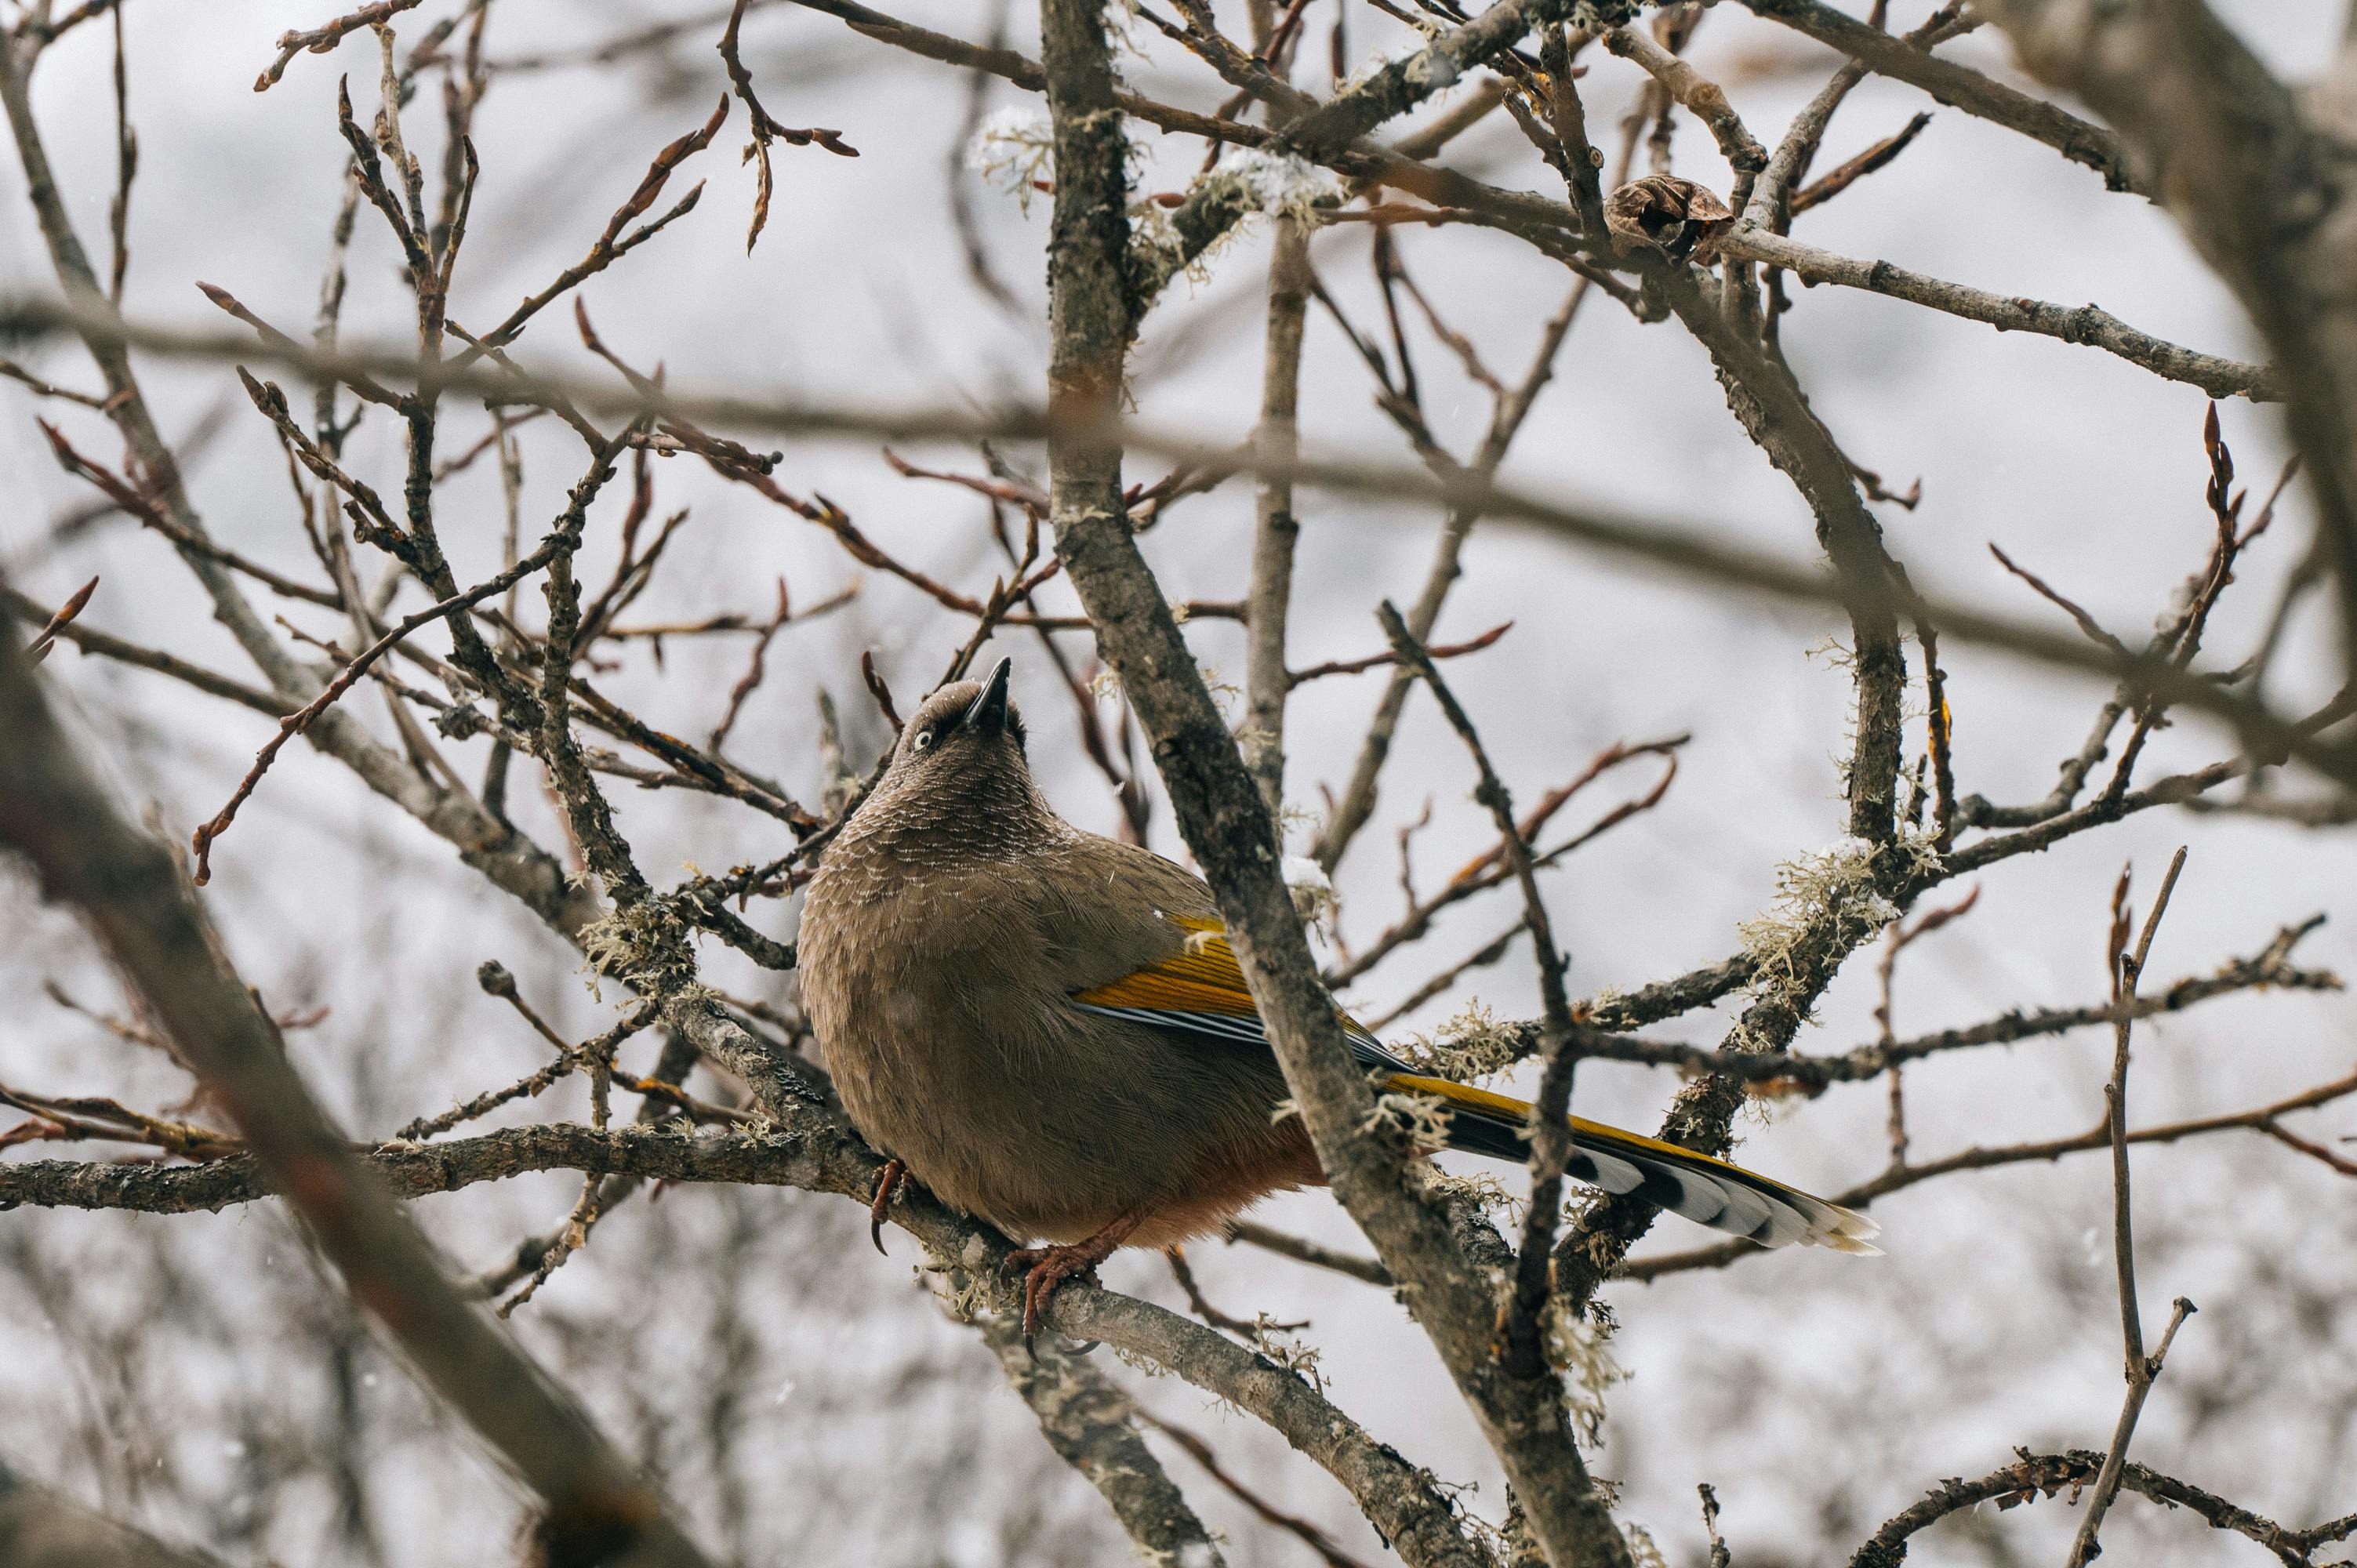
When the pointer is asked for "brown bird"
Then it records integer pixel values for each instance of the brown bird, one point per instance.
(1047, 1029)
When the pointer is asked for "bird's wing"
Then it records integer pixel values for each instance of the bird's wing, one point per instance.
(1197, 989)
(1200, 989)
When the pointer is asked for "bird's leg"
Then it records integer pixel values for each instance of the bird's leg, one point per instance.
(1051, 1266)
(889, 1182)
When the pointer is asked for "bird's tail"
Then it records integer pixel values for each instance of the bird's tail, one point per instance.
(1709, 1192)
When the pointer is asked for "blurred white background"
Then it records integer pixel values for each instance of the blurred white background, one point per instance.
(805, 1398)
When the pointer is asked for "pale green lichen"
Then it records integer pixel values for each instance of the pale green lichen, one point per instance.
(1833, 650)
(1217, 209)
(1312, 892)
(1837, 891)
(1292, 1353)
(1471, 1045)
(1140, 1362)
(640, 945)
(1156, 249)
(1381, 62)
(961, 1296)
(1015, 149)
(1121, 25)
(1283, 186)
(1581, 1350)
(1420, 1118)
(1486, 1194)
(1643, 1549)
(1012, 148)
(1224, 691)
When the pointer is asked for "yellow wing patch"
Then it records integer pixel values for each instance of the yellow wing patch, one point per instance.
(1461, 1094)
(1202, 977)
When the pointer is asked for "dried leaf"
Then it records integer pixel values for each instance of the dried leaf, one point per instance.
(1673, 215)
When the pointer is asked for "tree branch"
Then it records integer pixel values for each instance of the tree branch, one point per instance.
(129, 889)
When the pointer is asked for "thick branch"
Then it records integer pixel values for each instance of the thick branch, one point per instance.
(1267, 681)
(1091, 1425)
(131, 891)
(39, 1528)
(1775, 414)
(1225, 819)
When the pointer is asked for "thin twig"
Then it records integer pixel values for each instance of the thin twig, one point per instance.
(45, 638)
(295, 723)
(755, 667)
(2125, 967)
(323, 39)
(1308, 1533)
(1550, 1116)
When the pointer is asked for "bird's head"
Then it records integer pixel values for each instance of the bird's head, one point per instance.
(962, 736)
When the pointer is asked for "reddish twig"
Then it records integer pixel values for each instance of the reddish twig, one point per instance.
(91, 1116)
(1201, 1305)
(754, 670)
(1834, 181)
(2125, 967)
(126, 168)
(1486, 872)
(1378, 661)
(879, 691)
(612, 244)
(1030, 498)
(46, 639)
(1902, 935)
(321, 40)
(765, 128)
(1611, 756)
(16, 373)
(136, 503)
(2086, 622)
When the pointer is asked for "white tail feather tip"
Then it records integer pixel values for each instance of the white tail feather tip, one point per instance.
(1844, 1231)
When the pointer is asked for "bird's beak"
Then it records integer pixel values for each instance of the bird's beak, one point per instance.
(989, 710)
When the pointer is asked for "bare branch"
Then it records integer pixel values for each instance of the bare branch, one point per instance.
(1962, 86)
(1091, 1425)
(323, 39)
(134, 896)
(2084, 324)
(2048, 1475)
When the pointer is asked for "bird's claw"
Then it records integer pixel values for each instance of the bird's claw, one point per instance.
(1045, 1268)
(889, 1182)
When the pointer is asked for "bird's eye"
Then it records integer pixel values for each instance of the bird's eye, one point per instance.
(925, 738)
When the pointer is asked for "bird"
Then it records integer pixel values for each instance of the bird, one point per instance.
(1048, 1029)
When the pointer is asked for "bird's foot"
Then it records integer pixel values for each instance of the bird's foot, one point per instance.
(890, 1181)
(1045, 1268)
